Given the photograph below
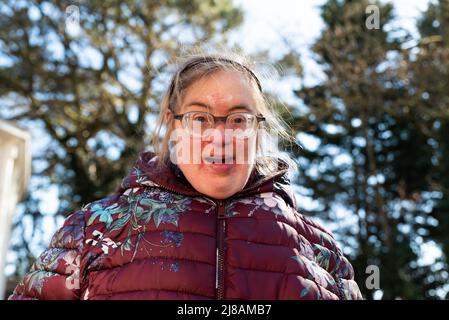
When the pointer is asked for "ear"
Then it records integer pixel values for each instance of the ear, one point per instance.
(168, 115)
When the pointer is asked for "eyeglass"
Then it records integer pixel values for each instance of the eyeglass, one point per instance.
(198, 123)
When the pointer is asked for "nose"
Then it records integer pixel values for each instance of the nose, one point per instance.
(218, 132)
(220, 125)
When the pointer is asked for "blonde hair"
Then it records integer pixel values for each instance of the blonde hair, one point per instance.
(196, 66)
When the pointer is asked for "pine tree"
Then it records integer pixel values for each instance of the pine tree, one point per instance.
(428, 66)
(373, 159)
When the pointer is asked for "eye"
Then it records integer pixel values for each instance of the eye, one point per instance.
(238, 119)
(199, 117)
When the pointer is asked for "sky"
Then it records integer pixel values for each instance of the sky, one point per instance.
(267, 23)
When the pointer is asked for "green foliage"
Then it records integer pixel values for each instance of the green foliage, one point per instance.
(378, 154)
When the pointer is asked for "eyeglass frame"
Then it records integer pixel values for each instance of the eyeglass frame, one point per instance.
(259, 118)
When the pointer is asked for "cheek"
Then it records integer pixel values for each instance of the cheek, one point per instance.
(244, 151)
(187, 150)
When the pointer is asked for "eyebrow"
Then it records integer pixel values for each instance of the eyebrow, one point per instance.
(205, 105)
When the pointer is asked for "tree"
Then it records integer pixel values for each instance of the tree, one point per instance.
(428, 66)
(91, 77)
(373, 161)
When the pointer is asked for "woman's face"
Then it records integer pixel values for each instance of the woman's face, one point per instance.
(221, 93)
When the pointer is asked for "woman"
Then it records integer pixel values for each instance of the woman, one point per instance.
(206, 216)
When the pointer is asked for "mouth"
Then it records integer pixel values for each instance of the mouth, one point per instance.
(219, 160)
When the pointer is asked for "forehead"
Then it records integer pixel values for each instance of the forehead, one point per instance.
(221, 91)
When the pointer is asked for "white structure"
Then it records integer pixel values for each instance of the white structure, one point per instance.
(15, 171)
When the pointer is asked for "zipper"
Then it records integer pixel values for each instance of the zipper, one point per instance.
(220, 247)
(161, 186)
(220, 263)
(221, 233)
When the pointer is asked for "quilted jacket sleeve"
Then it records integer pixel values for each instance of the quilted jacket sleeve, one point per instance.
(339, 266)
(56, 273)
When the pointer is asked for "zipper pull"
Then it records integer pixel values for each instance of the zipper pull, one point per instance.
(221, 214)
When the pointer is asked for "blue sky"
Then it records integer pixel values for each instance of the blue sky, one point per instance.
(300, 22)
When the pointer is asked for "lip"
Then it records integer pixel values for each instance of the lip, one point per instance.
(212, 160)
(222, 168)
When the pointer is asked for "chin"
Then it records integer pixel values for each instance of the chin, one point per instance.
(218, 193)
(215, 184)
(220, 196)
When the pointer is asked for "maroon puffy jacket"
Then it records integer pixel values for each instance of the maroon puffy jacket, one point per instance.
(158, 238)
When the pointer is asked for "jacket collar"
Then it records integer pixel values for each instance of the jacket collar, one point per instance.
(148, 171)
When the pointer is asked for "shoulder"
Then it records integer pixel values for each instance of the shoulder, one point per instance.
(71, 234)
(108, 216)
(97, 210)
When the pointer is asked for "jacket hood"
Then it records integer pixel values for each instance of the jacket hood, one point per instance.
(149, 171)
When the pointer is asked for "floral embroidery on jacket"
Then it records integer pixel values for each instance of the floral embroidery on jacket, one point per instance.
(135, 209)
